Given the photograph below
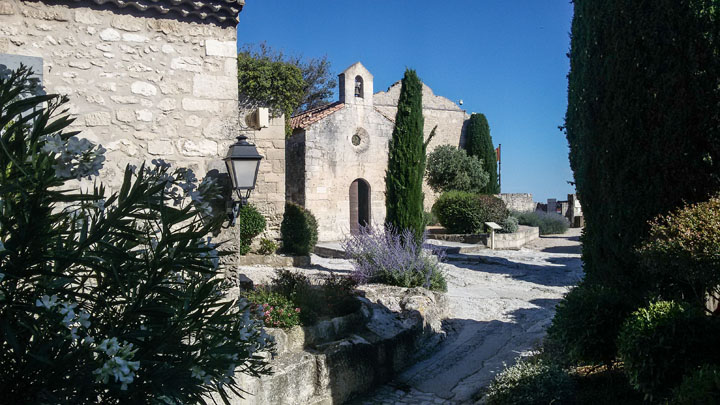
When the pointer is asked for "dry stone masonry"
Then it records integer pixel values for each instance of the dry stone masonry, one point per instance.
(143, 85)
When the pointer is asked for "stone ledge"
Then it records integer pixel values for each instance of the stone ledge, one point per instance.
(399, 324)
(273, 260)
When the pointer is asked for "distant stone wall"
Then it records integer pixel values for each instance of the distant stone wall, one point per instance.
(142, 87)
(448, 116)
(522, 202)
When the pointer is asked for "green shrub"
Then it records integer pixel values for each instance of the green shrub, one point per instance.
(458, 212)
(586, 324)
(450, 168)
(661, 342)
(267, 246)
(702, 386)
(509, 225)
(108, 298)
(682, 251)
(298, 230)
(334, 296)
(461, 212)
(251, 224)
(549, 223)
(275, 310)
(429, 218)
(531, 381)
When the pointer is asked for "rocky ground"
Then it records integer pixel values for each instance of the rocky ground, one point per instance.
(501, 303)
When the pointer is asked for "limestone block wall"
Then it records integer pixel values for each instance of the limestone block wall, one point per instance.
(332, 163)
(142, 87)
(269, 193)
(522, 202)
(437, 110)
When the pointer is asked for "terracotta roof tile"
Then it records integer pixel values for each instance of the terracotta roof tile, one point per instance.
(313, 115)
(223, 12)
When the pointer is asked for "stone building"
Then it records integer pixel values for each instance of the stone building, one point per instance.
(146, 79)
(338, 153)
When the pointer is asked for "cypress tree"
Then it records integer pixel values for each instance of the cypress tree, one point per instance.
(479, 143)
(406, 161)
(642, 123)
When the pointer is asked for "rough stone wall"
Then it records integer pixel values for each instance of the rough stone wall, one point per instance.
(522, 202)
(142, 87)
(332, 163)
(269, 193)
(448, 116)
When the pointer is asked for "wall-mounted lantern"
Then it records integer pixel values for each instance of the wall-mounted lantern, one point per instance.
(243, 162)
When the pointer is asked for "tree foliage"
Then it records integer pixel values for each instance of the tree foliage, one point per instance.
(287, 84)
(450, 168)
(642, 122)
(406, 162)
(115, 298)
(479, 144)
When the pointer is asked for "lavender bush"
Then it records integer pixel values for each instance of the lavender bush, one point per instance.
(390, 257)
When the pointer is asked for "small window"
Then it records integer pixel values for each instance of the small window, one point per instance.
(359, 90)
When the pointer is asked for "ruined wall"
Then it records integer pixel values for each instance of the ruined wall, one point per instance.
(142, 87)
(332, 163)
(522, 202)
(448, 116)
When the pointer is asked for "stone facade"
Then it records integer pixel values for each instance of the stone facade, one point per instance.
(521, 202)
(323, 160)
(437, 110)
(336, 145)
(144, 87)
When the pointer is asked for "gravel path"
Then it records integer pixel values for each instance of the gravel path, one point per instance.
(501, 303)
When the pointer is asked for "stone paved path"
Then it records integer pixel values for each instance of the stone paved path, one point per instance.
(501, 302)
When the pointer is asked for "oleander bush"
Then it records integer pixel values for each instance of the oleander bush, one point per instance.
(462, 212)
(662, 342)
(298, 230)
(549, 223)
(108, 298)
(389, 257)
(252, 223)
(531, 381)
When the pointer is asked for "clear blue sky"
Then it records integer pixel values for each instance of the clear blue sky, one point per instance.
(505, 59)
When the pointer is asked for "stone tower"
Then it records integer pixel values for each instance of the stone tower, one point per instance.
(356, 85)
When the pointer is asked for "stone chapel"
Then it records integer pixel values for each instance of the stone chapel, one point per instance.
(337, 155)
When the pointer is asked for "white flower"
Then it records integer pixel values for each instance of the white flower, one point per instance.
(47, 302)
(160, 163)
(88, 340)
(53, 144)
(100, 204)
(84, 319)
(119, 365)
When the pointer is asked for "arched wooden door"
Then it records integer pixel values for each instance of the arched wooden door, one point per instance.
(359, 205)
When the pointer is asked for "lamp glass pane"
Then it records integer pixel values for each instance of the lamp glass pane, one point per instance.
(245, 171)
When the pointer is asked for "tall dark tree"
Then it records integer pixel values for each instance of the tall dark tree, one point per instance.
(643, 122)
(406, 162)
(479, 143)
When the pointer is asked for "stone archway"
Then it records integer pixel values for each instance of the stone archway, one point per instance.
(359, 205)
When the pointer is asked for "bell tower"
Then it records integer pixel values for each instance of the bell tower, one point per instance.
(356, 85)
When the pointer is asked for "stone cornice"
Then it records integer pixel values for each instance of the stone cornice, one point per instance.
(221, 12)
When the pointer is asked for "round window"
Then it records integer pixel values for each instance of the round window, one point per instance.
(356, 139)
(360, 140)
